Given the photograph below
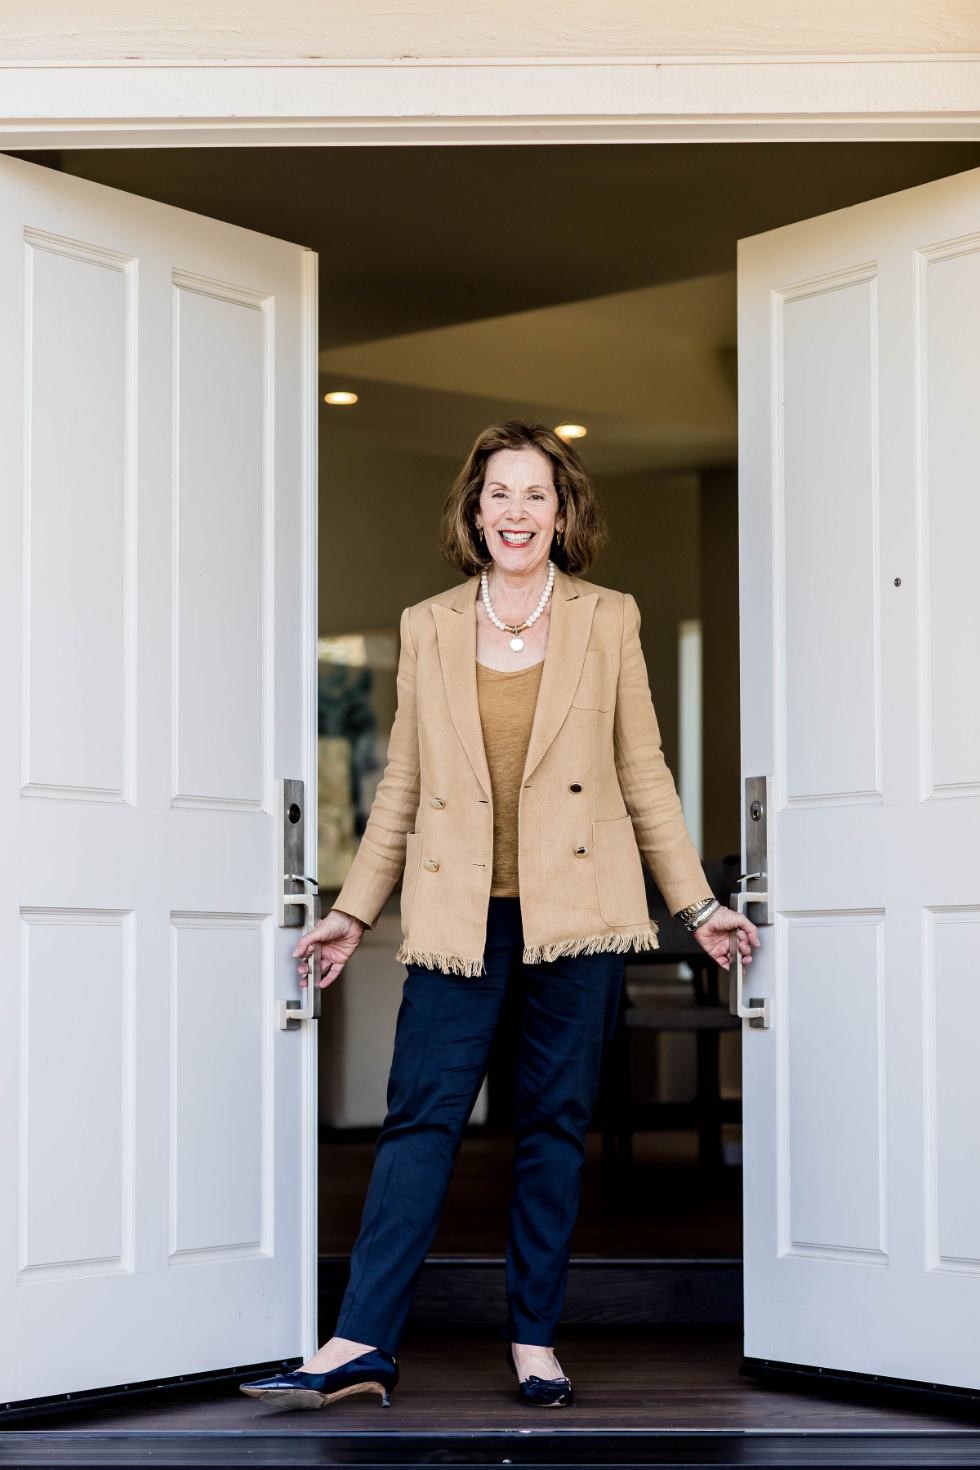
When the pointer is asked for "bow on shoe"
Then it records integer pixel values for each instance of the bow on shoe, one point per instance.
(545, 1393)
(541, 1393)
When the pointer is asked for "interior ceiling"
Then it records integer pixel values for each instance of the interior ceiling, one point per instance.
(415, 239)
(650, 373)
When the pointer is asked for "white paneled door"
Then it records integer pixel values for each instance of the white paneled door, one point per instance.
(859, 362)
(157, 649)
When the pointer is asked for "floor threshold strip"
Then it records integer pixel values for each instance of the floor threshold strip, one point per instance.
(22, 1450)
(458, 1436)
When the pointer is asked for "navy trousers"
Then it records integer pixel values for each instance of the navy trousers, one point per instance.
(445, 1026)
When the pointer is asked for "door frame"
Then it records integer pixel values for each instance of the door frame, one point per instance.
(235, 103)
(166, 104)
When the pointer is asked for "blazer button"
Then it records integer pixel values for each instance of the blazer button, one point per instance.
(432, 867)
(576, 787)
(437, 802)
(579, 852)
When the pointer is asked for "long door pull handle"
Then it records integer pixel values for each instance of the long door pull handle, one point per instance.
(757, 1012)
(291, 1012)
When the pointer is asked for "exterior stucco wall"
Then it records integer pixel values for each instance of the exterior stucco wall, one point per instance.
(44, 30)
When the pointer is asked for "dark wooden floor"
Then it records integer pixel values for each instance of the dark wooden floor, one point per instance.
(629, 1382)
(461, 1386)
(664, 1206)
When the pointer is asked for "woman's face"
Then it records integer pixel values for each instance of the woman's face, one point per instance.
(518, 509)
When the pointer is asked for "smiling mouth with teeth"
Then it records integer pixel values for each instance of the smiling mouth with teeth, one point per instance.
(516, 538)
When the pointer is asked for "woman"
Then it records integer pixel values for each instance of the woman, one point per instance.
(525, 779)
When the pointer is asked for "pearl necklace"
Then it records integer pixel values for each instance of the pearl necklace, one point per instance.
(517, 643)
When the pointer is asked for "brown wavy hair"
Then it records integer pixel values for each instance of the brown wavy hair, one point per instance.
(585, 524)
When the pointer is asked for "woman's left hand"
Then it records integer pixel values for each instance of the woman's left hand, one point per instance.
(713, 935)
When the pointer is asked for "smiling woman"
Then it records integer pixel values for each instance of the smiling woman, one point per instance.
(525, 778)
(582, 531)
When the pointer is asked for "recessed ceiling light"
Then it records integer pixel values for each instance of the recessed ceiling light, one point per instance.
(571, 431)
(345, 398)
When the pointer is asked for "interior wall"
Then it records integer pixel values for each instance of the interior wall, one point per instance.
(36, 30)
(719, 631)
(653, 553)
(379, 533)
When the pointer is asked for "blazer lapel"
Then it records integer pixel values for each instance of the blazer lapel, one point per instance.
(568, 642)
(456, 631)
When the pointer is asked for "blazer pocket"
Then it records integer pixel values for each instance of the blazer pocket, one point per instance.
(413, 857)
(596, 689)
(619, 874)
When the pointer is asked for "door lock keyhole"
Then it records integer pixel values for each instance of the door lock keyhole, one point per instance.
(755, 811)
(294, 813)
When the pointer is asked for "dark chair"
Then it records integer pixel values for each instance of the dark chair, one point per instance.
(619, 1116)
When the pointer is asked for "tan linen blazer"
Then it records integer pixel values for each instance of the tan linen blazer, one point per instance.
(596, 792)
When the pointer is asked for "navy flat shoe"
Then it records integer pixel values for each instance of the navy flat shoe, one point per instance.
(374, 1372)
(541, 1393)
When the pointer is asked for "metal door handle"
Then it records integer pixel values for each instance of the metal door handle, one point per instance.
(291, 1012)
(757, 1011)
(291, 849)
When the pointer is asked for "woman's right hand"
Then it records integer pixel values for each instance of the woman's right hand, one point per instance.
(338, 935)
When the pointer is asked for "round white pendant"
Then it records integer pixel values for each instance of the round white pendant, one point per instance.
(516, 645)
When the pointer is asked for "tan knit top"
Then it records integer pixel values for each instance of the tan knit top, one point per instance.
(507, 704)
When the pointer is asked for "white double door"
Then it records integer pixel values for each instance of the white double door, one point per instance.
(157, 646)
(859, 361)
(157, 663)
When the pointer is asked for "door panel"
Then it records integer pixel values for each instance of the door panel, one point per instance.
(223, 434)
(79, 306)
(949, 303)
(952, 965)
(219, 1000)
(834, 1139)
(859, 378)
(829, 510)
(157, 607)
(77, 1060)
